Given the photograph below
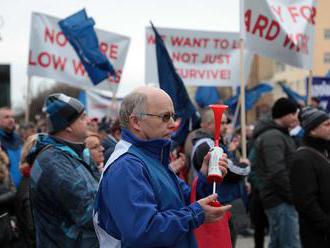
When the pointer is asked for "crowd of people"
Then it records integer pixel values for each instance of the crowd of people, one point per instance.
(77, 181)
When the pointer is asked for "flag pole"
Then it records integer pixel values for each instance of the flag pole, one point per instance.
(28, 99)
(242, 100)
(309, 87)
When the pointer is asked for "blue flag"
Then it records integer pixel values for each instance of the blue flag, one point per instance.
(206, 95)
(251, 96)
(298, 99)
(173, 85)
(79, 30)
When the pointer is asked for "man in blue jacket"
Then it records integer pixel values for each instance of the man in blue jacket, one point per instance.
(140, 201)
(11, 143)
(63, 185)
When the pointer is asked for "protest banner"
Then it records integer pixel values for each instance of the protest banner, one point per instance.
(321, 89)
(99, 106)
(52, 56)
(280, 29)
(200, 57)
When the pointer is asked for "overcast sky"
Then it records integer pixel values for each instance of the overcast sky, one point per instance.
(127, 17)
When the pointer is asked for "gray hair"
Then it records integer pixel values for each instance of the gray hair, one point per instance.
(134, 103)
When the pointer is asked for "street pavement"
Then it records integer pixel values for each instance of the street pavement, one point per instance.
(247, 242)
(244, 242)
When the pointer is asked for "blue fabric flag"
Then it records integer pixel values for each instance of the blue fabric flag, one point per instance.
(251, 96)
(79, 30)
(173, 85)
(298, 99)
(206, 95)
(82, 97)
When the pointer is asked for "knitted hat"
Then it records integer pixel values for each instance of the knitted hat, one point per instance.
(282, 107)
(311, 118)
(62, 111)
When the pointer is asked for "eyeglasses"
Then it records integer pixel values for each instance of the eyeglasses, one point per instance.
(165, 117)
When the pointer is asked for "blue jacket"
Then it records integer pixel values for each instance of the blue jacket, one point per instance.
(11, 143)
(63, 190)
(141, 202)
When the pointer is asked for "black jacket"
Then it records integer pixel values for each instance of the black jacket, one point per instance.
(274, 148)
(24, 213)
(310, 175)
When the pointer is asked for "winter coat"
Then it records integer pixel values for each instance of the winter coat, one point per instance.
(63, 190)
(309, 177)
(11, 143)
(23, 210)
(273, 151)
(149, 205)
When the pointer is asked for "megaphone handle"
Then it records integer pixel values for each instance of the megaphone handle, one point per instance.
(214, 187)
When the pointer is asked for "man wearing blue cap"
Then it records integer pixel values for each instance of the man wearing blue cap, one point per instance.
(63, 185)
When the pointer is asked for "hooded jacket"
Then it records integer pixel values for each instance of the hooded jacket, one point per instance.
(274, 149)
(141, 202)
(63, 190)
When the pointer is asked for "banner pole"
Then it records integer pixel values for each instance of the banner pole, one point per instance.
(28, 99)
(237, 109)
(113, 103)
(242, 100)
(309, 88)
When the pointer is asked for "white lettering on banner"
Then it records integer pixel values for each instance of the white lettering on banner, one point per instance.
(281, 29)
(324, 104)
(200, 57)
(51, 55)
(322, 89)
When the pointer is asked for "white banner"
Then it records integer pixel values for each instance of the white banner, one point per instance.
(99, 106)
(52, 56)
(280, 29)
(200, 57)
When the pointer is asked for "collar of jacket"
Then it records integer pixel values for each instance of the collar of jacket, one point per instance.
(44, 140)
(78, 148)
(10, 140)
(319, 144)
(157, 148)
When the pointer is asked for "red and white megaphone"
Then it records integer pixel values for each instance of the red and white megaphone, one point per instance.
(214, 172)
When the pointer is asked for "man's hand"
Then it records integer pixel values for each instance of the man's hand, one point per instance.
(223, 164)
(245, 161)
(212, 214)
